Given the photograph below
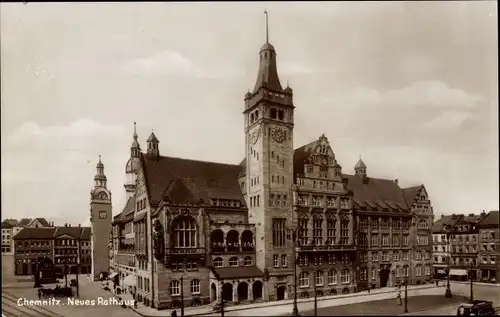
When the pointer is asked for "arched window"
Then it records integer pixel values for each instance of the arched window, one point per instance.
(195, 287)
(304, 279)
(175, 288)
(332, 277)
(218, 262)
(184, 232)
(247, 261)
(233, 261)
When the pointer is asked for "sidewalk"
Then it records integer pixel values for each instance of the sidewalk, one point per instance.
(325, 301)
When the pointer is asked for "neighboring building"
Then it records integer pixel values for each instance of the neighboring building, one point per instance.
(60, 244)
(464, 247)
(100, 219)
(225, 229)
(10, 227)
(441, 253)
(489, 247)
(7, 231)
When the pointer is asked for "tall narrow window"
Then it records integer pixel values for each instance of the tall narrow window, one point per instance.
(330, 231)
(184, 232)
(279, 232)
(302, 234)
(317, 230)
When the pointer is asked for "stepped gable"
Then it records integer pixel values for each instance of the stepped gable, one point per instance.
(203, 180)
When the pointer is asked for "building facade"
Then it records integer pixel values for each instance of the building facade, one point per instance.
(489, 247)
(10, 227)
(441, 244)
(210, 230)
(62, 245)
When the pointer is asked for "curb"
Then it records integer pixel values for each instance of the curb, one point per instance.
(288, 302)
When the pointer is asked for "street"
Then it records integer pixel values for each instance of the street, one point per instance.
(88, 291)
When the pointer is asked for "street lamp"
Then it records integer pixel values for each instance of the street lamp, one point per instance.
(447, 293)
(295, 311)
(471, 286)
(406, 287)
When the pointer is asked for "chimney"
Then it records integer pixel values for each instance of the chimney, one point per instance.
(66, 225)
(79, 225)
(483, 213)
(396, 181)
(69, 225)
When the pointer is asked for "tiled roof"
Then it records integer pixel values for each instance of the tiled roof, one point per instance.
(237, 272)
(202, 179)
(24, 222)
(300, 155)
(42, 221)
(86, 233)
(13, 222)
(438, 226)
(126, 212)
(491, 220)
(35, 233)
(75, 232)
(411, 193)
(6, 225)
(376, 192)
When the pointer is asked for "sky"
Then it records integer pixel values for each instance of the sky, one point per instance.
(411, 87)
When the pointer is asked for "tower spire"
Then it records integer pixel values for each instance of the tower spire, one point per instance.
(267, 27)
(135, 131)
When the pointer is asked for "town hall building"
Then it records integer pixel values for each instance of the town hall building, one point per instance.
(208, 230)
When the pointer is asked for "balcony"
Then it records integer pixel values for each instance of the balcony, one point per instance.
(323, 248)
(219, 247)
(181, 254)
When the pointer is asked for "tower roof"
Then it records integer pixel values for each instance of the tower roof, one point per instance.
(99, 164)
(153, 138)
(360, 164)
(135, 142)
(267, 76)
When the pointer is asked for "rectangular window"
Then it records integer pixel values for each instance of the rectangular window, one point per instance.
(363, 240)
(317, 201)
(418, 255)
(332, 259)
(344, 277)
(332, 277)
(374, 240)
(319, 278)
(331, 202)
(344, 232)
(276, 260)
(374, 223)
(395, 255)
(385, 240)
(364, 223)
(406, 255)
(284, 262)
(372, 274)
(330, 231)
(279, 232)
(418, 270)
(318, 231)
(375, 256)
(303, 230)
(385, 256)
(303, 200)
(406, 240)
(395, 240)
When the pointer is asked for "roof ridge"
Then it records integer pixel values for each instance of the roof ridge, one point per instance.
(198, 161)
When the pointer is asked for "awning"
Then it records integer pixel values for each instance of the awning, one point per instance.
(441, 272)
(130, 280)
(227, 273)
(112, 275)
(458, 272)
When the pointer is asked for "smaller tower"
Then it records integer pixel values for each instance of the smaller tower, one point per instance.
(100, 222)
(132, 165)
(360, 168)
(153, 142)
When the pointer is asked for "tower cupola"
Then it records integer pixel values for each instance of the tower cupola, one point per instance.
(99, 178)
(153, 149)
(360, 168)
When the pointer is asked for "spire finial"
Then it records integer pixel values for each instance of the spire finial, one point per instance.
(135, 131)
(267, 27)
(99, 157)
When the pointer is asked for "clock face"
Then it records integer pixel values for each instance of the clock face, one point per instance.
(102, 215)
(255, 137)
(278, 134)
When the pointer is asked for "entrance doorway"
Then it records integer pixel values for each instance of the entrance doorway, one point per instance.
(227, 292)
(242, 291)
(257, 290)
(280, 292)
(384, 277)
(213, 292)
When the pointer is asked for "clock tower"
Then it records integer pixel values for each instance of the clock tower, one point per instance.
(100, 223)
(269, 122)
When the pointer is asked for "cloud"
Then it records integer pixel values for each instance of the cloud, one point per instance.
(448, 120)
(172, 63)
(48, 171)
(422, 94)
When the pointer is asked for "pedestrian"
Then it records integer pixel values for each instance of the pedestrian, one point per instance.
(369, 288)
(174, 313)
(135, 304)
(39, 294)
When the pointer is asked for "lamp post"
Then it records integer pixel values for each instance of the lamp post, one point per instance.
(406, 287)
(78, 266)
(182, 296)
(315, 297)
(471, 286)
(222, 299)
(295, 311)
(447, 293)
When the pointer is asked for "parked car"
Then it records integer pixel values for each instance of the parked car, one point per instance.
(476, 308)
